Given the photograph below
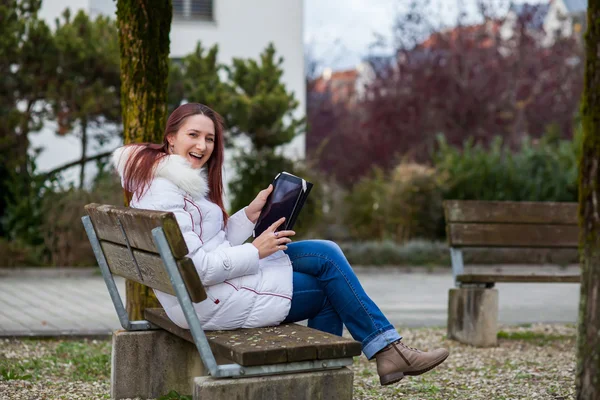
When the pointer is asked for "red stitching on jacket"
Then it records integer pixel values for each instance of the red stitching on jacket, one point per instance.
(185, 201)
(199, 212)
(232, 285)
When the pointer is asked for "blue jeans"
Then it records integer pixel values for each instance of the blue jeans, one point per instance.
(328, 294)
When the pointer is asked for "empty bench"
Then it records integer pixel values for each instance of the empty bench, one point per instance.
(518, 226)
(154, 356)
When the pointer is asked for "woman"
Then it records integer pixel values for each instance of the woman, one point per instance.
(268, 281)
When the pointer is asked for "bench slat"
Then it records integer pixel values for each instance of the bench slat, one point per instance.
(491, 278)
(511, 212)
(138, 225)
(270, 345)
(518, 235)
(154, 273)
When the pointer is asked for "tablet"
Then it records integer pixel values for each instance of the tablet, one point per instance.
(285, 200)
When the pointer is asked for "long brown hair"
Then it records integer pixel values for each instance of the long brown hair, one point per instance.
(139, 168)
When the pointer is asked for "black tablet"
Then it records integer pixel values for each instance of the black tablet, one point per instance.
(286, 200)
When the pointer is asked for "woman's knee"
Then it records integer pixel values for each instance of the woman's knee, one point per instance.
(327, 247)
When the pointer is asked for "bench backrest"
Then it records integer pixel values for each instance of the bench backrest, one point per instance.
(125, 236)
(511, 224)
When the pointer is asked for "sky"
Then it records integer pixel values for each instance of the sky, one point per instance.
(338, 32)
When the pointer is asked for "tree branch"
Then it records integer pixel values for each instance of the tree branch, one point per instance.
(78, 162)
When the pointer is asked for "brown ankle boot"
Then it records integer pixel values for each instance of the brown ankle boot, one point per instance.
(396, 360)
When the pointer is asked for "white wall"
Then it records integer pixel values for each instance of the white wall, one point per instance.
(557, 20)
(243, 29)
(507, 28)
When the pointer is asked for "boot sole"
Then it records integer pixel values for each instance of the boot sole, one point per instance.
(398, 376)
(391, 378)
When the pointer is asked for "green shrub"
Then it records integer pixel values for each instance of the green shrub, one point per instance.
(539, 170)
(64, 236)
(405, 204)
(414, 208)
(413, 253)
(22, 218)
(365, 207)
(18, 254)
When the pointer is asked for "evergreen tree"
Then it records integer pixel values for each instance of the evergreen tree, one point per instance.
(261, 110)
(86, 93)
(144, 27)
(26, 74)
(195, 78)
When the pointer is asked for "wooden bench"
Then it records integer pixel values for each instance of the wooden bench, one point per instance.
(520, 226)
(153, 356)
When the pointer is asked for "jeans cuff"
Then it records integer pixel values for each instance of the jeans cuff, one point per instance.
(380, 341)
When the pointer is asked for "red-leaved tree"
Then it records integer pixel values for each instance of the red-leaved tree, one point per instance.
(499, 77)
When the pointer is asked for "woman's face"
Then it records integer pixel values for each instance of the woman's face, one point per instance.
(195, 140)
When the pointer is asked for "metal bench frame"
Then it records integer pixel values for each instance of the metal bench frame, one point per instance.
(458, 267)
(216, 371)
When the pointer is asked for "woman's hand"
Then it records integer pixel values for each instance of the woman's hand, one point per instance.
(253, 210)
(270, 241)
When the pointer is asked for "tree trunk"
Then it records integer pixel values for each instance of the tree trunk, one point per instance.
(144, 27)
(588, 347)
(83, 151)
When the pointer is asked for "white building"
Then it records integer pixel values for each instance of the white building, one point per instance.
(534, 16)
(565, 18)
(241, 28)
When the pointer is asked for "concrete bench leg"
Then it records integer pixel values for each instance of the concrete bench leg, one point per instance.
(149, 364)
(322, 385)
(473, 316)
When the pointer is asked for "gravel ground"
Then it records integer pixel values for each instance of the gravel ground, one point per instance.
(535, 362)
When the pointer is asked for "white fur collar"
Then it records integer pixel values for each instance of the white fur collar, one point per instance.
(171, 167)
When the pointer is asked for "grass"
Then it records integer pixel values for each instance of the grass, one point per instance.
(60, 361)
(85, 361)
(538, 338)
(14, 373)
(173, 395)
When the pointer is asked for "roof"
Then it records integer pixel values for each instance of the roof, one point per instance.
(341, 84)
(482, 34)
(576, 6)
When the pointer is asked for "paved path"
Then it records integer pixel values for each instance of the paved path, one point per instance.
(50, 304)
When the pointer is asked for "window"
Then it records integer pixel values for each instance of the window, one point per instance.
(193, 9)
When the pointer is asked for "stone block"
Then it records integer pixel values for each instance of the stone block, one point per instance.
(149, 364)
(473, 316)
(322, 385)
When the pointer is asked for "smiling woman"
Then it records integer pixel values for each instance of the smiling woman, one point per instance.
(194, 141)
(268, 281)
(194, 135)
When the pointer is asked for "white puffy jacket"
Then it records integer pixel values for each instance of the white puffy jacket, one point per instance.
(243, 291)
